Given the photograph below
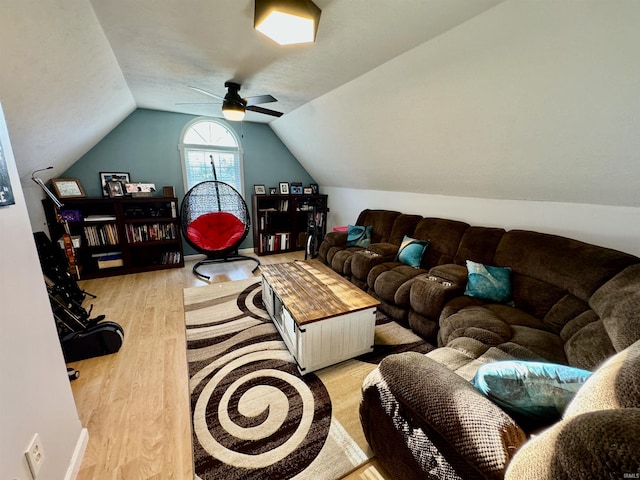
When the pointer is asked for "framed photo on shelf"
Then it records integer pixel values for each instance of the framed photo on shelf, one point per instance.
(259, 190)
(284, 188)
(67, 188)
(106, 177)
(307, 191)
(314, 188)
(115, 189)
(296, 189)
(273, 191)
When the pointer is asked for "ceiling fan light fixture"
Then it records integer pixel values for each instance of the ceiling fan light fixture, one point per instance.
(233, 111)
(287, 22)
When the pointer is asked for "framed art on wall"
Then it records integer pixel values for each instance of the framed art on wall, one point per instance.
(106, 177)
(67, 188)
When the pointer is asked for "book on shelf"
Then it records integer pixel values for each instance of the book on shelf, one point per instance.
(137, 233)
(170, 258)
(98, 235)
(99, 218)
(274, 242)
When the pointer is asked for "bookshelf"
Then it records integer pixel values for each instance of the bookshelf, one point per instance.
(280, 221)
(117, 236)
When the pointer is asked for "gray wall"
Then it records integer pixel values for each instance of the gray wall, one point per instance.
(145, 144)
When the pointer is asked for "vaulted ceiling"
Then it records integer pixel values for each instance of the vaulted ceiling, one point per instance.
(516, 99)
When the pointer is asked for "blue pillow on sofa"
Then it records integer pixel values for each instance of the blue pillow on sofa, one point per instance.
(536, 391)
(488, 282)
(411, 251)
(358, 236)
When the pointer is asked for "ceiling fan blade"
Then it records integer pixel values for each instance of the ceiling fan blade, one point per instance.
(266, 111)
(206, 93)
(257, 100)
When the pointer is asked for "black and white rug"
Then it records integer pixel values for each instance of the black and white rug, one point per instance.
(253, 415)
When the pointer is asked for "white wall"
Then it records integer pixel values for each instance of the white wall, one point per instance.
(35, 392)
(613, 227)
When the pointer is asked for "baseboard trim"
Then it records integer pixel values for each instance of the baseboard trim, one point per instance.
(78, 455)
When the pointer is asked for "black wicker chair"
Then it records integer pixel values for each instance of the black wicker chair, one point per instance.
(215, 221)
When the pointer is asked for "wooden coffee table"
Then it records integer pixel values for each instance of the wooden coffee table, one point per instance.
(322, 317)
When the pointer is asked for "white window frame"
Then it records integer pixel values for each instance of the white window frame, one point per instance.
(183, 147)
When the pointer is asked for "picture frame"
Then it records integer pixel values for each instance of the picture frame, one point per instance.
(106, 177)
(259, 189)
(115, 188)
(284, 188)
(296, 189)
(307, 191)
(314, 188)
(67, 188)
(273, 191)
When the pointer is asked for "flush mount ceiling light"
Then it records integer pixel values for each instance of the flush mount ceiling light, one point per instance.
(287, 21)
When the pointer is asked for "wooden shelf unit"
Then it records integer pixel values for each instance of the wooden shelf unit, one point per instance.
(145, 231)
(280, 221)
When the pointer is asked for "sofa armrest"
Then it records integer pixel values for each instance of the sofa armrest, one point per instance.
(336, 239)
(477, 432)
(386, 250)
(451, 272)
(610, 438)
(429, 294)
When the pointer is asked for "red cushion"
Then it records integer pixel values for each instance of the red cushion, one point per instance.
(215, 231)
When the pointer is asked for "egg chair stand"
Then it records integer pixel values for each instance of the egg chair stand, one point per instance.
(215, 220)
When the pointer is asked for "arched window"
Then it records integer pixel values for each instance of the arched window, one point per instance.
(207, 139)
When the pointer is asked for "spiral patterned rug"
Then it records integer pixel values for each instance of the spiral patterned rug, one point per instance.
(253, 415)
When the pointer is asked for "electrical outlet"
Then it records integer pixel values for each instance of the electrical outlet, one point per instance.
(35, 455)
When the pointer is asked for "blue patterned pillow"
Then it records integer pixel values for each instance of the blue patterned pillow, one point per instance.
(358, 236)
(533, 392)
(411, 251)
(488, 282)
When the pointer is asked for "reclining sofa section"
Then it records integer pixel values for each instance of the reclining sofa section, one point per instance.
(571, 303)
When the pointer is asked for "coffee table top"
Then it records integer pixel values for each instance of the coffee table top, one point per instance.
(311, 291)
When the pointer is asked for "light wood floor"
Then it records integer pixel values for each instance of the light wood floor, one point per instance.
(135, 403)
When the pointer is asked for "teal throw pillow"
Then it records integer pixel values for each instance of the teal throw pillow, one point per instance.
(534, 393)
(411, 251)
(488, 282)
(358, 236)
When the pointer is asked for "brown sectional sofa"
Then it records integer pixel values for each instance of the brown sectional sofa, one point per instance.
(572, 303)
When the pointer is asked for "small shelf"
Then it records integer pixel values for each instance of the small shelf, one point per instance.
(103, 225)
(280, 221)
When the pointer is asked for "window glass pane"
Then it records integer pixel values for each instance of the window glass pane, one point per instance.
(209, 133)
(205, 141)
(198, 167)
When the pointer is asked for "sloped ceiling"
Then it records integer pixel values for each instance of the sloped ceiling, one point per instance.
(73, 69)
(516, 99)
(528, 101)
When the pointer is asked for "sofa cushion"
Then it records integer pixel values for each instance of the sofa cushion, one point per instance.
(444, 236)
(617, 303)
(411, 251)
(536, 393)
(615, 384)
(358, 236)
(488, 282)
(478, 244)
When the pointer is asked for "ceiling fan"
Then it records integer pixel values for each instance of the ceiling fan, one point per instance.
(234, 106)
